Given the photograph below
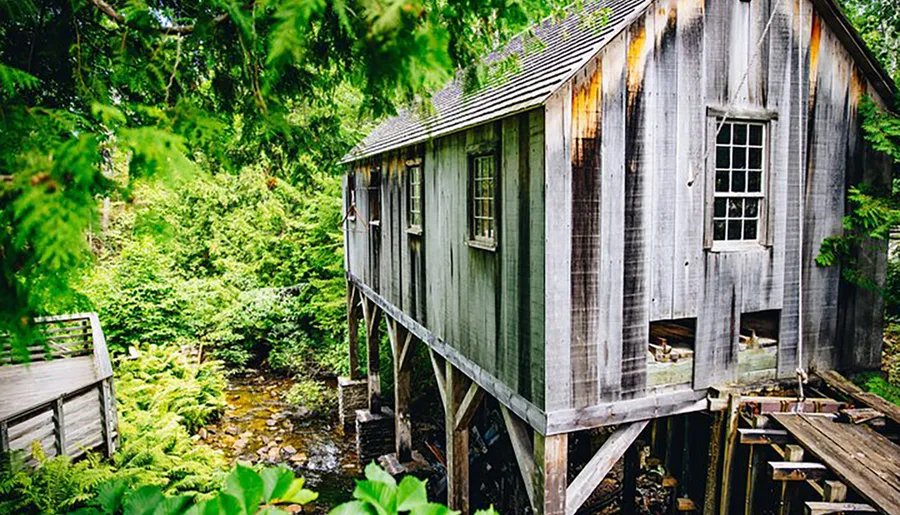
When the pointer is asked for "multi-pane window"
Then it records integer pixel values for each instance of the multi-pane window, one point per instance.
(415, 196)
(483, 223)
(374, 192)
(739, 194)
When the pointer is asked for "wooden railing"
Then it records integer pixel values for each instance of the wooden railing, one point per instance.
(63, 397)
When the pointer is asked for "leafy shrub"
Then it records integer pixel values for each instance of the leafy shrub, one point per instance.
(245, 492)
(379, 493)
(166, 379)
(312, 395)
(873, 382)
(164, 395)
(54, 485)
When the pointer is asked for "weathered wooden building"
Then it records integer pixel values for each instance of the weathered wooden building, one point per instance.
(629, 219)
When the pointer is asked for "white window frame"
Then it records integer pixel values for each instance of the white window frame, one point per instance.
(414, 193)
(477, 238)
(763, 118)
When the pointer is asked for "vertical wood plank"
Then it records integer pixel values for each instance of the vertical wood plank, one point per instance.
(401, 342)
(59, 426)
(373, 315)
(612, 215)
(4, 436)
(551, 458)
(457, 442)
(638, 182)
(558, 250)
(691, 121)
(106, 407)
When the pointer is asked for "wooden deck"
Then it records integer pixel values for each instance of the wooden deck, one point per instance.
(863, 459)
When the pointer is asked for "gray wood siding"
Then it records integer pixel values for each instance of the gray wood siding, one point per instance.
(636, 251)
(488, 305)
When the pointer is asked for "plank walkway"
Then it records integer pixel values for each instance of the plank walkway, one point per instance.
(863, 459)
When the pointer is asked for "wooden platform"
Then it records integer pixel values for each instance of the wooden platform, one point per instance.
(863, 459)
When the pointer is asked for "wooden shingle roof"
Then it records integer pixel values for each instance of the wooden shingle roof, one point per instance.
(568, 44)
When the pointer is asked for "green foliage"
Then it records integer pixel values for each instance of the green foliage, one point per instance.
(872, 212)
(878, 21)
(312, 395)
(875, 383)
(379, 494)
(164, 395)
(99, 98)
(54, 485)
(245, 492)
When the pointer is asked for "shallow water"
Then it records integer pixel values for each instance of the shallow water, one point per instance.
(259, 427)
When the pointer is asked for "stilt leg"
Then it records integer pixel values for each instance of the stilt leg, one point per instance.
(373, 315)
(457, 443)
(401, 343)
(551, 458)
(353, 329)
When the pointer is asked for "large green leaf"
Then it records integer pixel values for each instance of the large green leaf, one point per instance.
(411, 494)
(381, 496)
(276, 482)
(245, 485)
(109, 496)
(377, 474)
(296, 494)
(352, 508)
(433, 509)
(143, 501)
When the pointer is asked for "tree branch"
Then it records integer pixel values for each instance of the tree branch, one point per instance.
(114, 15)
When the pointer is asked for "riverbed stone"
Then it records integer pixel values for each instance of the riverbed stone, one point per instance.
(352, 395)
(374, 434)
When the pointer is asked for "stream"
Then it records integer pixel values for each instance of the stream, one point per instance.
(258, 426)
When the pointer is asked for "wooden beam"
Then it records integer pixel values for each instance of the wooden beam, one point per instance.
(600, 464)
(834, 491)
(763, 436)
(373, 315)
(525, 409)
(438, 368)
(796, 471)
(522, 449)
(457, 441)
(402, 421)
(630, 472)
(468, 406)
(59, 426)
(731, 427)
(353, 330)
(405, 354)
(842, 385)
(4, 436)
(827, 508)
(623, 412)
(714, 452)
(106, 416)
(551, 459)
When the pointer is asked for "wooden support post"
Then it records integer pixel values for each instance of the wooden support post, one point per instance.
(437, 364)
(523, 449)
(731, 433)
(716, 428)
(106, 416)
(834, 491)
(551, 462)
(600, 464)
(629, 478)
(792, 453)
(59, 426)
(353, 330)
(401, 341)
(4, 436)
(373, 315)
(457, 440)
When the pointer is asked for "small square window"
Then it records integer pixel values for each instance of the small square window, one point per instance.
(482, 176)
(739, 185)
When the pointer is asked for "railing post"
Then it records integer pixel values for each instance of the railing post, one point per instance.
(4, 436)
(106, 416)
(59, 426)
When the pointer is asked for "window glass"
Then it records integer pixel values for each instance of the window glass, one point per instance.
(415, 196)
(482, 196)
(739, 189)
